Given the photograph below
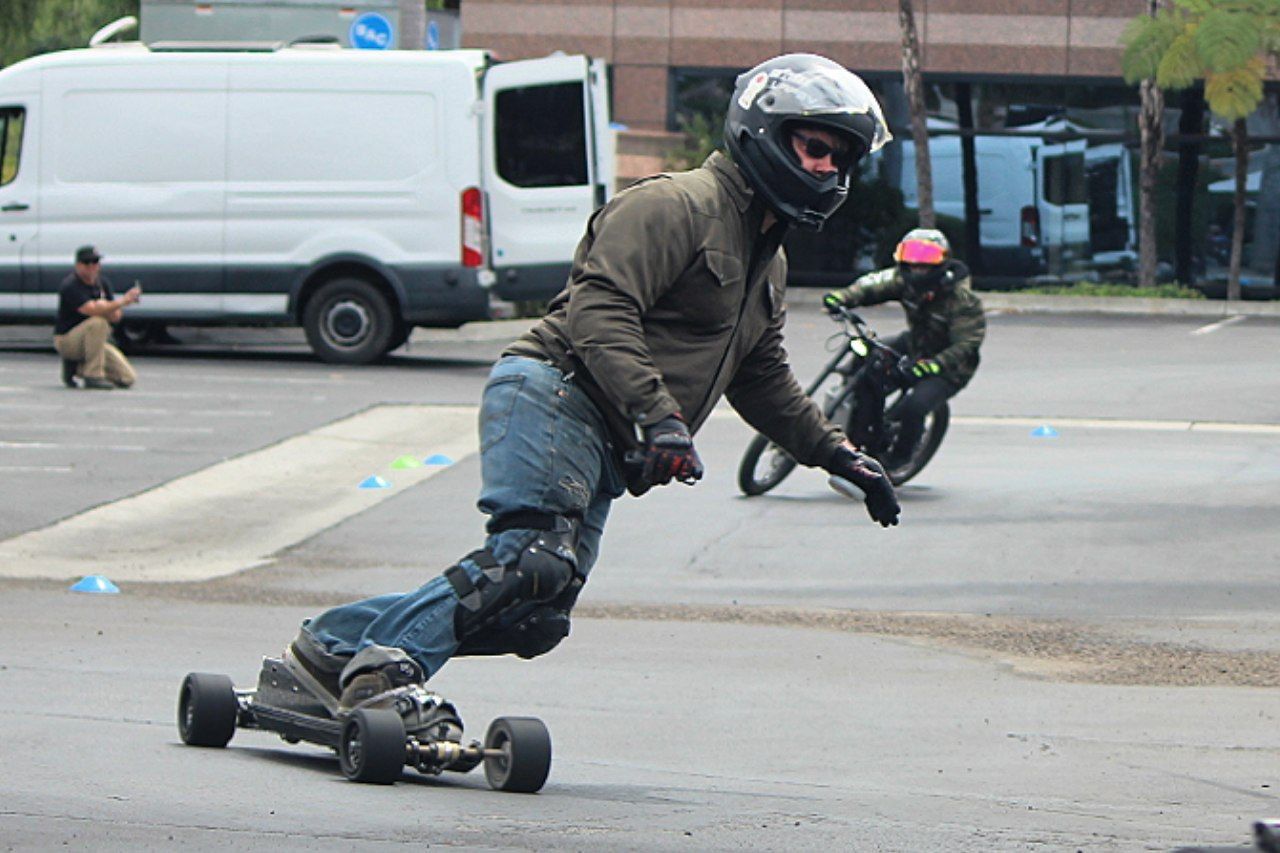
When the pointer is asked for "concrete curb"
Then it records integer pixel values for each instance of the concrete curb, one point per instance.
(1034, 303)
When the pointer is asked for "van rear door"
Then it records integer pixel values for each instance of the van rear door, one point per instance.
(1064, 207)
(547, 164)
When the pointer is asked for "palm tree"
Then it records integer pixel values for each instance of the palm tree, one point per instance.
(915, 102)
(1151, 134)
(1227, 44)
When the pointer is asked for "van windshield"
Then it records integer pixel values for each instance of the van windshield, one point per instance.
(542, 136)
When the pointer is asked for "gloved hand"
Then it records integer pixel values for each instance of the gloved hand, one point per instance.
(669, 453)
(865, 473)
(905, 373)
(926, 367)
(834, 301)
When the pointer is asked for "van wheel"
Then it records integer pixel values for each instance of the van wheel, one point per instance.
(348, 321)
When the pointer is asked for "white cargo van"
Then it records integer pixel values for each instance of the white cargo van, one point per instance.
(356, 193)
(1045, 207)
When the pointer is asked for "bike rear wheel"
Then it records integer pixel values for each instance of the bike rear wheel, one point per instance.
(764, 466)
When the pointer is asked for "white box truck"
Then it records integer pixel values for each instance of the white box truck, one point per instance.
(355, 193)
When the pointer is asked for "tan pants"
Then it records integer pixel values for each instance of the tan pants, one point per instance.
(87, 344)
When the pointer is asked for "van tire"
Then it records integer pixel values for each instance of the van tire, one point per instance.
(349, 321)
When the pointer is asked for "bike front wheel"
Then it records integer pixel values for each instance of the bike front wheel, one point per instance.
(764, 466)
(935, 428)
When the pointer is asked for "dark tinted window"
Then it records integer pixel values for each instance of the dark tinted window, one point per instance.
(1064, 181)
(11, 121)
(542, 138)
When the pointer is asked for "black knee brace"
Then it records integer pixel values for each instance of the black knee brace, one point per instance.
(545, 569)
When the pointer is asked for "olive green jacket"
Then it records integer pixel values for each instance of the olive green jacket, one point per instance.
(665, 312)
(949, 329)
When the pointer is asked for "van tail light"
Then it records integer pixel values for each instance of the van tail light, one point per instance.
(472, 228)
(1029, 227)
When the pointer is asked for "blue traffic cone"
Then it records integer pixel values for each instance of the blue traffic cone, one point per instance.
(1044, 431)
(437, 459)
(94, 583)
(374, 482)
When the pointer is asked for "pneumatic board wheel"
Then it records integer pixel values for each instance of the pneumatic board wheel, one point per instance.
(525, 761)
(373, 746)
(207, 710)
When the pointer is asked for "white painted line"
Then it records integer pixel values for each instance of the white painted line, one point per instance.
(1088, 423)
(233, 379)
(1209, 426)
(1119, 423)
(48, 469)
(131, 410)
(1079, 423)
(1213, 327)
(236, 514)
(190, 395)
(72, 448)
(113, 428)
(229, 396)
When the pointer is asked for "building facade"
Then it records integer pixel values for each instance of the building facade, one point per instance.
(646, 40)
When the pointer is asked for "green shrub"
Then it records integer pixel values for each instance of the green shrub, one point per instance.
(1097, 288)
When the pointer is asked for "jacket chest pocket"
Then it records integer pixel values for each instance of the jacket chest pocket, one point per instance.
(710, 293)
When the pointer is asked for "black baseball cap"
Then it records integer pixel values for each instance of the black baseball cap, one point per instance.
(87, 255)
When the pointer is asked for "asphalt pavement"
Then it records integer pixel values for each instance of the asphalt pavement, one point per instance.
(1069, 644)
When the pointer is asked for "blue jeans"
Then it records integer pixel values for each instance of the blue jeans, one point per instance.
(543, 447)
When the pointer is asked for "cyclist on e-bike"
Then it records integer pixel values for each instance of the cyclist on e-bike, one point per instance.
(945, 321)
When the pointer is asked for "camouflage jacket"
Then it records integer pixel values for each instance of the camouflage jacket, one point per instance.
(949, 328)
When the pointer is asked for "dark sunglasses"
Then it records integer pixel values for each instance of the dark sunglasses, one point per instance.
(842, 157)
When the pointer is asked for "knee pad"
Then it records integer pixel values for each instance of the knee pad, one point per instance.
(533, 634)
(543, 570)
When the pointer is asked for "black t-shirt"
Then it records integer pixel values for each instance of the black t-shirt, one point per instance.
(73, 293)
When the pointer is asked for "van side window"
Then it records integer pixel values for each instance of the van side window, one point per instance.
(11, 122)
(542, 136)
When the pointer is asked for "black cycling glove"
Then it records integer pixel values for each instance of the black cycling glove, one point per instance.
(867, 474)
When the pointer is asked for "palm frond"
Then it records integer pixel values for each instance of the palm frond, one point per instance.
(1180, 67)
(1236, 94)
(1227, 40)
(1146, 40)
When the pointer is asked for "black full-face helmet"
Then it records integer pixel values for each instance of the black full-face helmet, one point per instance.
(800, 90)
(922, 256)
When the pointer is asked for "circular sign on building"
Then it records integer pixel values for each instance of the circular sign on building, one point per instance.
(370, 31)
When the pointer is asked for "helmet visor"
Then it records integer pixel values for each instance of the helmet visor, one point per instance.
(919, 252)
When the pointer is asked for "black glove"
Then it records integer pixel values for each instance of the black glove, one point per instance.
(905, 375)
(669, 453)
(865, 473)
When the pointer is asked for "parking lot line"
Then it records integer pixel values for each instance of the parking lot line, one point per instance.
(74, 447)
(1122, 423)
(236, 514)
(1213, 327)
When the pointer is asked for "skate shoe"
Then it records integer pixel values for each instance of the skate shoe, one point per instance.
(374, 671)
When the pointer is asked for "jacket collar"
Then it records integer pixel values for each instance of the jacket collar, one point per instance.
(728, 174)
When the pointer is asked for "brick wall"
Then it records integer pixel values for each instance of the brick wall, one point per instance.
(641, 39)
